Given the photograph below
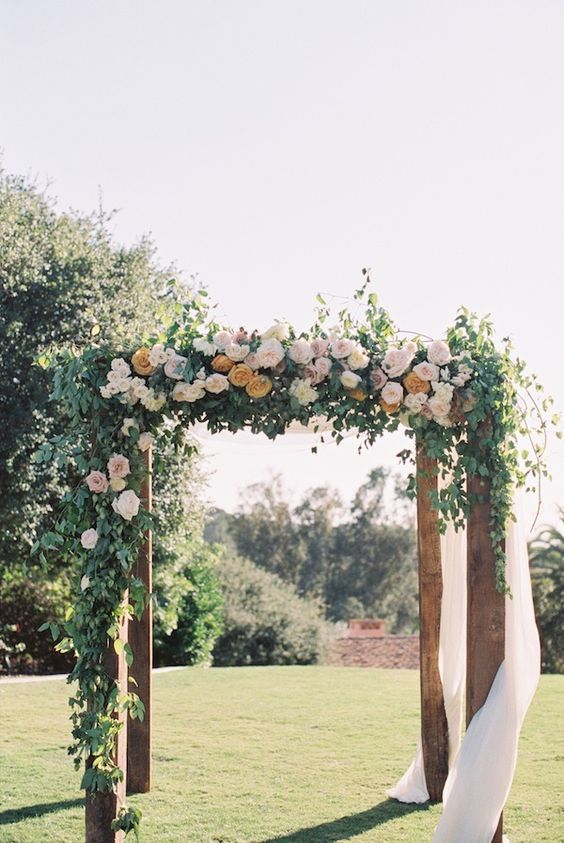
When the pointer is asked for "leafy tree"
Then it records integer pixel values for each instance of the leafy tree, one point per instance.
(265, 621)
(547, 575)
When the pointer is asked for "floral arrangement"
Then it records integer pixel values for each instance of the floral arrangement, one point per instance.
(463, 398)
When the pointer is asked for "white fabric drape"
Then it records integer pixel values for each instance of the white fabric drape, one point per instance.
(481, 771)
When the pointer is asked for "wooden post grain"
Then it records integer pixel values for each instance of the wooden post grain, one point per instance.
(141, 643)
(102, 808)
(434, 727)
(485, 640)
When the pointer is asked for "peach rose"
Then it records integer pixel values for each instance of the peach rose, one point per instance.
(414, 384)
(118, 466)
(240, 375)
(389, 408)
(259, 386)
(358, 394)
(97, 482)
(222, 364)
(141, 362)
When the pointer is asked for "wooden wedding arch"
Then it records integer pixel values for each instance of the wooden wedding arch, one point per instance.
(456, 399)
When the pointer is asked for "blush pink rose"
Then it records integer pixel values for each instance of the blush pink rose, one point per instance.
(97, 482)
(392, 393)
(341, 348)
(323, 366)
(118, 466)
(252, 361)
(301, 352)
(319, 347)
(312, 374)
(378, 378)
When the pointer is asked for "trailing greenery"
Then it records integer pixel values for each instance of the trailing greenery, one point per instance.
(461, 399)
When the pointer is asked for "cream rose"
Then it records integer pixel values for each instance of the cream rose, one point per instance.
(117, 484)
(89, 539)
(204, 346)
(118, 466)
(158, 355)
(279, 331)
(392, 393)
(301, 352)
(270, 353)
(145, 441)
(189, 391)
(174, 367)
(84, 583)
(127, 425)
(439, 353)
(97, 482)
(302, 391)
(120, 366)
(357, 359)
(216, 383)
(342, 348)
(350, 380)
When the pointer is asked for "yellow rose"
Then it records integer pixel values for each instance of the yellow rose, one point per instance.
(259, 386)
(240, 375)
(389, 408)
(414, 384)
(359, 394)
(141, 363)
(222, 364)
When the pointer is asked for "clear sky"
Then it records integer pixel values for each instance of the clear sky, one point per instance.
(276, 148)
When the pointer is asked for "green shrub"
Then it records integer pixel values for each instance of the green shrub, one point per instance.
(265, 621)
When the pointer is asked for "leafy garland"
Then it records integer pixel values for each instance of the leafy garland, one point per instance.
(468, 402)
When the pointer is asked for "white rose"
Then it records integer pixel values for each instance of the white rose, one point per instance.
(84, 583)
(350, 380)
(270, 353)
(279, 331)
(357, 359)
(145, 441)
(158, 355)
(222, 339)
(396, 362)
(427, 371)
(127, 425)
(392, 393)
(126, 504)
(216, 383)
(204, 346)
(174, 367)
(124, 384)
(302, 391)
(139, 388)
(89, 539)
(301, 352)
(189, 391)
(443, 391)
(120, 366)
(111, 388)
(105, 392)
(236, 352)
(341, 348)
(439, 353)
(414, 402)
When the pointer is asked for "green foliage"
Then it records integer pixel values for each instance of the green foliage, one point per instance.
(265, 621)
(61, 277)
(547, 575)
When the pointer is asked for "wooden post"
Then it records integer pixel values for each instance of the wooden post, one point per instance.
(485, 642)
(434, 727)
(102, 808)
(141, 643)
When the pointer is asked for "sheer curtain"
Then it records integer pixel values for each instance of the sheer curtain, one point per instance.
(482, 766)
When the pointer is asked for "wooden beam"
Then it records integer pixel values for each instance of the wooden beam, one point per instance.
(485, 642)
(141, 643)
(102, 808)
(434, 727)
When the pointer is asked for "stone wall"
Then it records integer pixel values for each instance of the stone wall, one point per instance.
(396, 651)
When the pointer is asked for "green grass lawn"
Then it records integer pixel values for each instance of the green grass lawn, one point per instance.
(292, 755)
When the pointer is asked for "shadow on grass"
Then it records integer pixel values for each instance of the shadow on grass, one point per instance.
(14, 815)
(346, 827)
